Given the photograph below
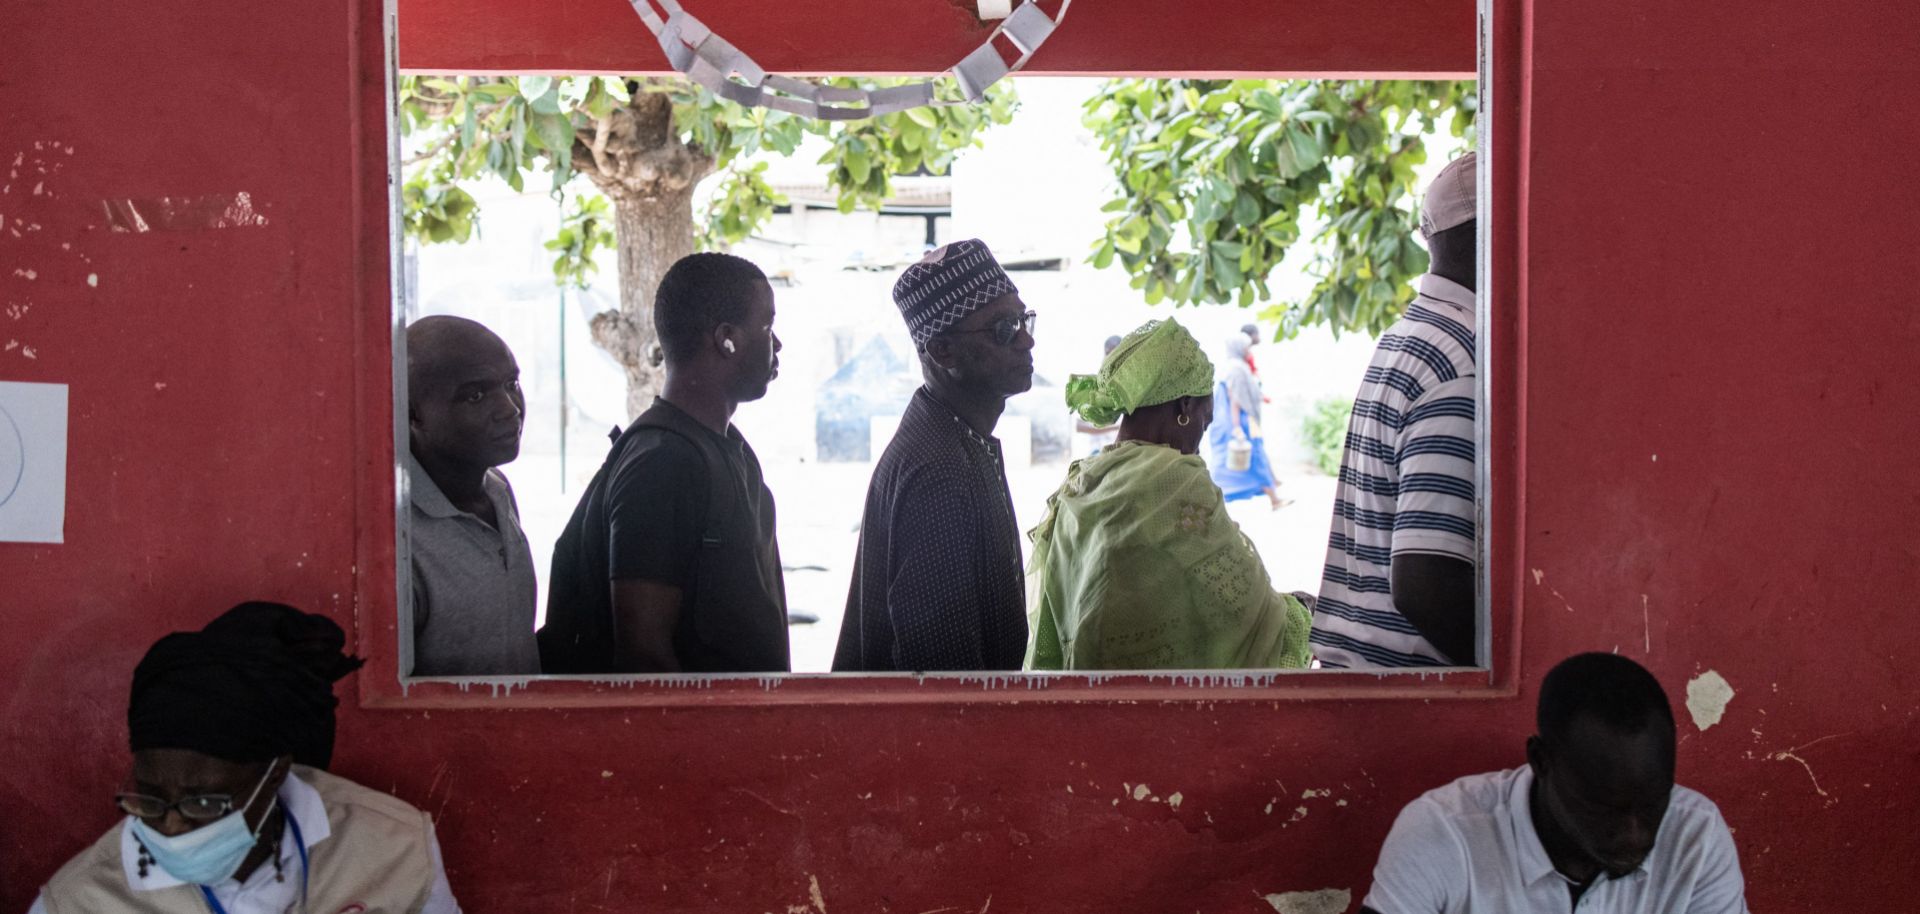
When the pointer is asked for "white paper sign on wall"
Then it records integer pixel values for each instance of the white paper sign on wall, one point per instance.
(33, 462)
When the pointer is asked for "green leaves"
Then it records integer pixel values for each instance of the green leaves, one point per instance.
(436, 210)
(1325, 431)
(866, 154)
(585, 230)
(744, 202)
(532, 87)
(458, 129)
(1214, 176)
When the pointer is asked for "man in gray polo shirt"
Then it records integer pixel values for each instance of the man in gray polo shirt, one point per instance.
(1593, 823)
(473, 581)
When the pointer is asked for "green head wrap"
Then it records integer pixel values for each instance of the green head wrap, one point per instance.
(1155, 364)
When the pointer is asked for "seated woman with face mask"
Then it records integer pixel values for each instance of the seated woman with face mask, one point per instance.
(1136, 565)
(229, 808)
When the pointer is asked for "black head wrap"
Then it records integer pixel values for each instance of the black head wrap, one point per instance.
(254, 685)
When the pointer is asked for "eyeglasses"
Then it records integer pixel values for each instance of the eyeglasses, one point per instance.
(1006, 329)
(200, 808)
(203, 808)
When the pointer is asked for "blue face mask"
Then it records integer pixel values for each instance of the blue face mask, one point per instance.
(210, 854)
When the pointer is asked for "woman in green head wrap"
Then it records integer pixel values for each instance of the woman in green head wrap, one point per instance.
(1137, 565)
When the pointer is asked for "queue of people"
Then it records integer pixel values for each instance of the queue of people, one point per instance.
(670, 562)
(229, 805)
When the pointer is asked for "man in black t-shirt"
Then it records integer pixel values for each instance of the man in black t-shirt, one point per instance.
(669, 563)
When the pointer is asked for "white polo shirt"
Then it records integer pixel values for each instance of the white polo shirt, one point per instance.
(1471, 846)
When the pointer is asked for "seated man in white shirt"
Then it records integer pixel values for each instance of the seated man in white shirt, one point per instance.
(1594, 823)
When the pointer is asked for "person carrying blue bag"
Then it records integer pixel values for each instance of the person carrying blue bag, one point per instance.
(1235, 441)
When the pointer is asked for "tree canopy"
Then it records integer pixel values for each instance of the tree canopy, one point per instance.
(1213, 178)
(645, 143)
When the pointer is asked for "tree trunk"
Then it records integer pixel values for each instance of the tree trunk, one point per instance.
(652, 232)
(637, 160)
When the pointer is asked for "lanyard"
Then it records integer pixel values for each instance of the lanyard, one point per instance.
(299, 844)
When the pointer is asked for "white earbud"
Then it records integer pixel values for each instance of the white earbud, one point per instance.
(727, 345)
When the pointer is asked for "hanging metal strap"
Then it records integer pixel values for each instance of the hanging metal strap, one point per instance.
(727, 71)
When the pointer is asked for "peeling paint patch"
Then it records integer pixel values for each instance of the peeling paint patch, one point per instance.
(1790, 756)
(1707, 698)
(1141, 792)
(93, 279)
(1646, 625)
(1793, 755)
(1537, 575)
(164, 214)
(813, 893)
(1323, 901)
(1173, 802)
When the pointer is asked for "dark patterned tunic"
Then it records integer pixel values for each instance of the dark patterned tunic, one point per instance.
(937, 581)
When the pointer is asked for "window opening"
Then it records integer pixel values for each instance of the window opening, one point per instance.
(1090, 192)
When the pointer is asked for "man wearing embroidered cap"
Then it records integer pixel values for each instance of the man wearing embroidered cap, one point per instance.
(937, 580)
(1137, 565)
(1399, 581)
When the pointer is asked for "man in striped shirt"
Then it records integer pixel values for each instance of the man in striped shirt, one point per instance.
(1398, 585)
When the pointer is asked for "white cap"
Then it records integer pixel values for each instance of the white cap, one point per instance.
(1451, 198)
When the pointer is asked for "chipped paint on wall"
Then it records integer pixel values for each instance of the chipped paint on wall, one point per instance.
(1320, 901)
(1793, 755)
(1707, 698)
(175, 214)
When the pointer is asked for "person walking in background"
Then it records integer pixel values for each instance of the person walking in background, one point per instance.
(1241, 467)
(1253, 339)
(1136, 564)
(670, 562)
(937, 579)
(1398, 584)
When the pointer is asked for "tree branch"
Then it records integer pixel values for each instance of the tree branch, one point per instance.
(438, 146)
(601, 128)
(432, 149)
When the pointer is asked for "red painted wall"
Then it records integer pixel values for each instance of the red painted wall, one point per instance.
(1705, 225)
